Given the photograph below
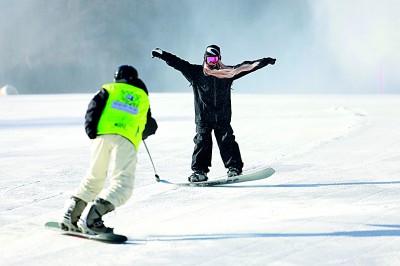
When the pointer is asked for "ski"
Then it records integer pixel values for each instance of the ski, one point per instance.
(108, 238)
(246, 177)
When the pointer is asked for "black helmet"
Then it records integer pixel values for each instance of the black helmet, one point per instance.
(213, 50)
(125, 73)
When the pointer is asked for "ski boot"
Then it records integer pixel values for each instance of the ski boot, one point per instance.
(91, 221)
(198, 176)
(74, 208)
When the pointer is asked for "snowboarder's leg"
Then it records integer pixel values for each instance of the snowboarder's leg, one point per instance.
(229, 149)
(90, 185)
(202, 154)
(120, 189)
(93, 182)
(122, 177)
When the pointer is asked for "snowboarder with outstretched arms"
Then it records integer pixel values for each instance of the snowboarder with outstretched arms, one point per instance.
(117, 119)
(211, 84)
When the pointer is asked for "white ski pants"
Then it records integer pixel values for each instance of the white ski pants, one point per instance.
(118, 152)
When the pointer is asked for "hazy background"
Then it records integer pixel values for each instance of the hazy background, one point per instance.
(321, 46)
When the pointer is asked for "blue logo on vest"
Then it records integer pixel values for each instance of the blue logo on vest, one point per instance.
(125, 107)
(129, 97)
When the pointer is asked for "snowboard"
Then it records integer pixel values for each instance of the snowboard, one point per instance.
(108, 238)
(261, 174)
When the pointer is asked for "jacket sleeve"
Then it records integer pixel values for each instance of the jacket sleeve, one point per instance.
(179, 64)
(151, 124)
(263, 62)
(93, 113)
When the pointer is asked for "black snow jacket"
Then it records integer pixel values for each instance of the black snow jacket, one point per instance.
(96, 107)
(212, 95)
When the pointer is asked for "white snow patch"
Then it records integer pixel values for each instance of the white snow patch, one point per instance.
(332, 201)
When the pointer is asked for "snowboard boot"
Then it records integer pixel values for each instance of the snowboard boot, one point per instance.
(234, 172)
(198, 176)
(74, 208)
(91, 221)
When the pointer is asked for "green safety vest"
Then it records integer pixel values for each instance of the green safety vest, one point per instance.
(125, 112)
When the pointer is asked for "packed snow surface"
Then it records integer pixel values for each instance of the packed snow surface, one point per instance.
(334, 199)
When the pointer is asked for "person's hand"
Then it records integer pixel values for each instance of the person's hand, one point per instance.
(271, 61)
(92, 135)
(156, 53)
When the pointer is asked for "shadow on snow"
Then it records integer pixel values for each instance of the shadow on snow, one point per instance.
(358, 234)
(314, 185)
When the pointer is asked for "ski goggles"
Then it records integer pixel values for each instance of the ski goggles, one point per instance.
(212, 59)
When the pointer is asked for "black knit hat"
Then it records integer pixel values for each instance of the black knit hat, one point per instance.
(213, 50)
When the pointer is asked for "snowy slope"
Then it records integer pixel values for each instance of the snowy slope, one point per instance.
(334, 199)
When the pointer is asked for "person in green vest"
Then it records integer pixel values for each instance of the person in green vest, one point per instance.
(118, 118)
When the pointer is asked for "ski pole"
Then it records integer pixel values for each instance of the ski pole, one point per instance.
(151, 160)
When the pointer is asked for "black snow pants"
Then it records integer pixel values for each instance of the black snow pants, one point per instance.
(228, 147)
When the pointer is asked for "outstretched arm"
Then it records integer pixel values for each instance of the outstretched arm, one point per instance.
(174, 61)
(261, 63)
(228, 72)
(237, 71)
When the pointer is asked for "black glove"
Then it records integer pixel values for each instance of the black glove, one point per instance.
(271, 61)
(92, 134)
(156, 53)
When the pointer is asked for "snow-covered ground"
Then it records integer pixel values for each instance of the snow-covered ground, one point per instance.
(334, 199)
